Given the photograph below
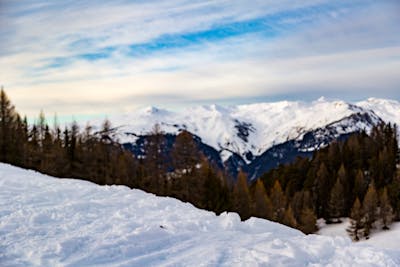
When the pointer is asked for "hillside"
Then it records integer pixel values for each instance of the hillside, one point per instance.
(62, 222)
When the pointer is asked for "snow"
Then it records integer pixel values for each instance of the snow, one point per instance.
(379, 239)
(388, 110)
(46, 221)
(268, 123)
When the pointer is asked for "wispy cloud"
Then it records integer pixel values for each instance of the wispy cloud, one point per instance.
(92, 57)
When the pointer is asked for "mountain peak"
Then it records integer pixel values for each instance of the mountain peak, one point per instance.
(254, 128)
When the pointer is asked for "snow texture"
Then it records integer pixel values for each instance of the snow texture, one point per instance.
(252, 128)
(388, 239)
(46, 221)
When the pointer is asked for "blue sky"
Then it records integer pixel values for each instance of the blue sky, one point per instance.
(106, 57)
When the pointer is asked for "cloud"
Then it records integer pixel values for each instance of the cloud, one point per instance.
(91, 58)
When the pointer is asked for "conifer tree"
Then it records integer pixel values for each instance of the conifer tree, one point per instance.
(336, 203)
(278, 200)
(385, 210)
(359, 184)
(288, 218)
(322, 189)
(33, 149)
(155, 160)
(242, 197)
(215, 196)
(356, 223)
(185, 157)
(370, 205)
(308, 221)
(7, 122)
(41, 126)
(19, 145)
(184, 153)
(343, 177)
(48, 160)
(262, 203)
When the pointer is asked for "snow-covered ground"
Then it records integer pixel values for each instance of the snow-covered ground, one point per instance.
(62, 222)
(380, 239)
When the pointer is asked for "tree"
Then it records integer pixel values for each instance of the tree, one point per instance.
(322, 185)
(241, 197)
(343, 177)
(356, 223)
(262, 203)
(359, 184)
(155, 160)
(308, 221)
(184, 153)
(336, 202)
(185, 157)
(19, 143)
(7, 122)
(41, 126)
(215, 190)
(48, 156)
(278, 200)
(370, 205)
(385, 210)
(288, 218)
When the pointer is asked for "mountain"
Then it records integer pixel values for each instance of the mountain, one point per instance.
(45, 221)
(258, 137)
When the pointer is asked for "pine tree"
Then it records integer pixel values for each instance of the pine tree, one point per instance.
(48, 160)
(322, 185)
(308, 221)
(7, 122)
(278, 200)
(155, 160)
(185, 157)
(356, 223)
(385, 210)
(262, 203)
(242, 197)
(343, 177)
(336, 202)
(19, 145)
(215, 191)
(184, 153)
(370, 205)
(359, 184)
(288, 218)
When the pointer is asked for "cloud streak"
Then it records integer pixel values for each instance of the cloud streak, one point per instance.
(92, 58)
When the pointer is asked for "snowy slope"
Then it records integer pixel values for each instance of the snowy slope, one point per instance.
(253, 128)
(380, 239)
(52, 222)
(388, 110)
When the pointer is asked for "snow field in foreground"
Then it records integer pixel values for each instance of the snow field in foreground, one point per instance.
(62, 222)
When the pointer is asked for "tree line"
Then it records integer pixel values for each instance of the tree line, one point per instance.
(357, 178)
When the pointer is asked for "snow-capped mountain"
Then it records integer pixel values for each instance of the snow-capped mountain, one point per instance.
(387, 110)
(245, 134)
(46, 221)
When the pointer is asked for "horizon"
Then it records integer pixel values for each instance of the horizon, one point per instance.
(90, 60)
(97, 119)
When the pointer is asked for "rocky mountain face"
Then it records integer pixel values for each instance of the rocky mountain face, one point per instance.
(257, 137)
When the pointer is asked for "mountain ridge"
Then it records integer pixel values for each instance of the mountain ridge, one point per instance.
(268, 133)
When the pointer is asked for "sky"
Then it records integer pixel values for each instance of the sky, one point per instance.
(91, 58)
